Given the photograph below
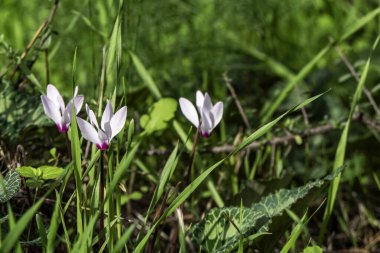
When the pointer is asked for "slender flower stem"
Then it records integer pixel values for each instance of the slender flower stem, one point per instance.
(195, 141)
(68, 145)
(101, 196)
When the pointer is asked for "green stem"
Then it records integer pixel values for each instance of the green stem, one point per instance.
(68, 145)
(101, 197)
(195, 141)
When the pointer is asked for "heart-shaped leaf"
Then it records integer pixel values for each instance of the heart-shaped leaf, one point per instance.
(159, 114)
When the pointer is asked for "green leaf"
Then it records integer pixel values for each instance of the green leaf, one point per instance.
(34, 182)
(159, 115)
(313, 249)
(9, 185)
(50, 172)
(216, 233)
(27, 171)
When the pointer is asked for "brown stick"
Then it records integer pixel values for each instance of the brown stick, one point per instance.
(286, 139)
(37, 34)
(357, 78)
(237, 101)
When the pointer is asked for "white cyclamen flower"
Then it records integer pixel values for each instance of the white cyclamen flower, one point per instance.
(210, 115)
(111, 124)
(55, 108)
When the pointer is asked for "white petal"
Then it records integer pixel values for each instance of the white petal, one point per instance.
(88, 131)
(107, 114)
(92, 116)
(54, 95)
(67, 113)
(108, 130)
(217, 112)
(199, 100)
(78, 102)
(103, 136)
(207, 104)
(117, 121)
(207, 122)
(51, 109)
(189, 111)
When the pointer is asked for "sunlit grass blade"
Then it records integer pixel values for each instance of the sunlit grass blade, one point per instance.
(360, 23)
(296, 231)
(121, 243)
(181, 231)
(12, 226)
(42, 232)
(290, 86)
(81, 244)
(54, 224)
(77, 167)
(114, 50)
(341, 149)
(166, 174)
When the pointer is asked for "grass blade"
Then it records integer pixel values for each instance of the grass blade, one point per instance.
(341, 150)
(145, 76)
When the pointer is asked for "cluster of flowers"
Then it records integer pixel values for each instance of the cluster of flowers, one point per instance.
(206, 119)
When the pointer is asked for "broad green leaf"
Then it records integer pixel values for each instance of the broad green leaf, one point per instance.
(27, 171)
(216, 233)
(9, 185)
(50, 172)
(159, 115)
(313, 249)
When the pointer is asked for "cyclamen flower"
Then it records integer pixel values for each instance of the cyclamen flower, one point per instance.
(55, 109)
(210, 115)
(111, 124)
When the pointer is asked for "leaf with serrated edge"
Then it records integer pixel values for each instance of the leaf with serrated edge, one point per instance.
(216, 233)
